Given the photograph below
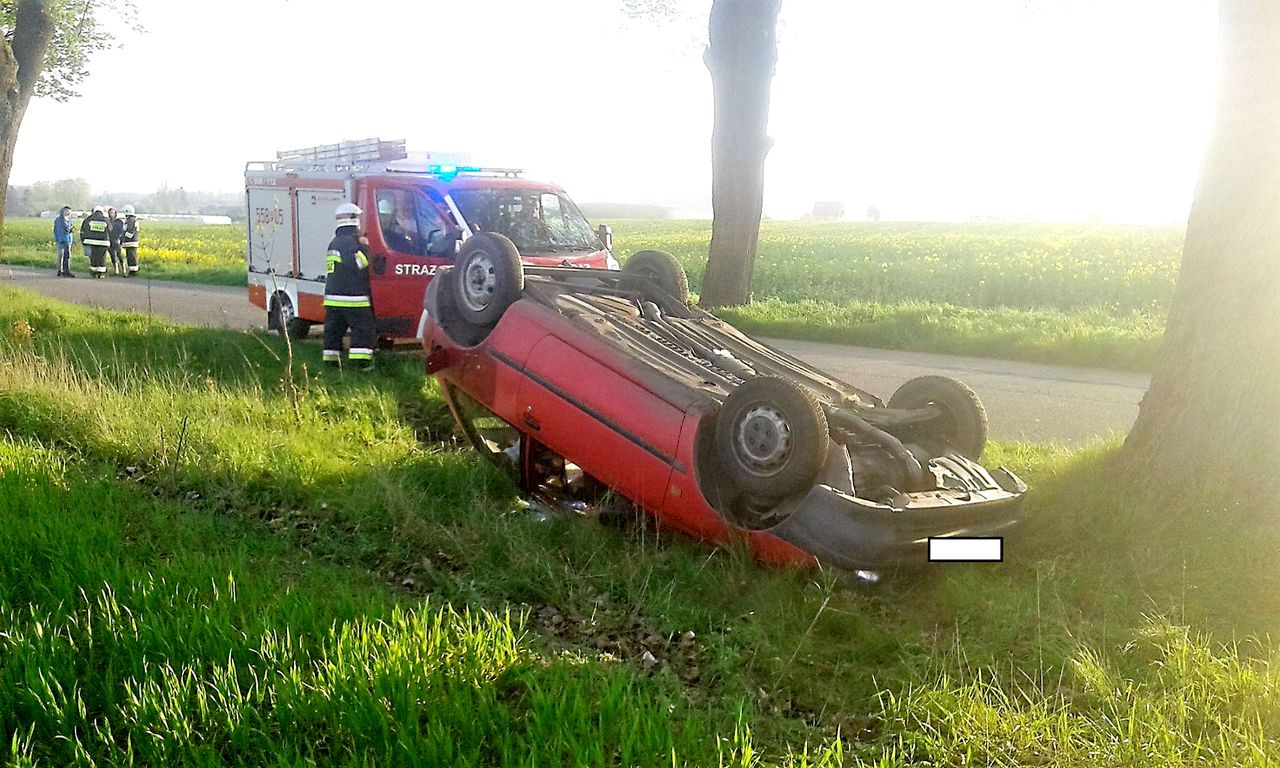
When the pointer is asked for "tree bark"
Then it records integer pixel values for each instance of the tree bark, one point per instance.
(1213, 408)
(741, 57)
(21, 61)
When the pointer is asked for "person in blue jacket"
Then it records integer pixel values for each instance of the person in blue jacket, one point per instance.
(62, 229)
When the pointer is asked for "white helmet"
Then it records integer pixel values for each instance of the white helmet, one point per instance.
(99, 209)
(386, 207)
(128, 210)
(346, 214)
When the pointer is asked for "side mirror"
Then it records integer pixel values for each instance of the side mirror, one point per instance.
(443, 242)
(605, 233)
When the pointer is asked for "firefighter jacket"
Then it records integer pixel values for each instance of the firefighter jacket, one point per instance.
(93, 230)
(347, 284)
(115, 228)
(61, 230)
(129, 235)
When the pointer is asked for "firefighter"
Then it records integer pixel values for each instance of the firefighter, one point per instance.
(347, 300)
(93, 233)
(129, 241)
(115, 228)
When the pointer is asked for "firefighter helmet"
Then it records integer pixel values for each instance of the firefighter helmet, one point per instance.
(346, 214)
(386, 207)
(99, 209)
(128, 210)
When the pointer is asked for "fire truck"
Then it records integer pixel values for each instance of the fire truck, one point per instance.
(416, 211)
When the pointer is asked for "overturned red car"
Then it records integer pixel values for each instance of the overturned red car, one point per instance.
(581, 381)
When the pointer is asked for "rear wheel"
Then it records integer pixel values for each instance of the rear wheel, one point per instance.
(662, 269)
(771, 437)
(962, 425)
(284, 318)
(488, 278)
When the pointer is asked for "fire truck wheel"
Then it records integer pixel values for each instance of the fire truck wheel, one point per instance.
(771, 437)
(662, 269)
(284, 318)
(488, 278)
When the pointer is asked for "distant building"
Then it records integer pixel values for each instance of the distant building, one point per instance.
(828, 211)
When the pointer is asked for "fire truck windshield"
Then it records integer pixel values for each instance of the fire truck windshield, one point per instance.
(537, 221)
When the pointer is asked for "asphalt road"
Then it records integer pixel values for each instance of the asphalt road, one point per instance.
(1025, 401)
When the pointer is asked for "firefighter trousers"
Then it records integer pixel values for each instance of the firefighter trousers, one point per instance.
(131, 257)
(336, 322)
(98, 260)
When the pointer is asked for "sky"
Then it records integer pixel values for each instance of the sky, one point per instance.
(1055, 110)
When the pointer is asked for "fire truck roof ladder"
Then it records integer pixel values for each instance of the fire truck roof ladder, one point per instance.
(346, 153)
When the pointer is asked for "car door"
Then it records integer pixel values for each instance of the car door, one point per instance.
(410, 237)
(611, 427)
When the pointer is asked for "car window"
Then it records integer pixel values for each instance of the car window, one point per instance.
(497, 439)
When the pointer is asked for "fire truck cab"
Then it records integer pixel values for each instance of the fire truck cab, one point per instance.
(416, 211)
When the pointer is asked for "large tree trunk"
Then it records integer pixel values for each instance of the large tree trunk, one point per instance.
(21, 61)
(741, 57)
(1213, 409)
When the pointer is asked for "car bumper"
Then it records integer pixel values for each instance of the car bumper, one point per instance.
(857, 534)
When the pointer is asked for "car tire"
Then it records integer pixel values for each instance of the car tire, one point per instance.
(771, 437)
(662, 269)
(488, 278)
(964, 427)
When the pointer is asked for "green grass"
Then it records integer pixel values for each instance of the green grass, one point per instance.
(1072, 294)
(312, 570)
(1081, 337)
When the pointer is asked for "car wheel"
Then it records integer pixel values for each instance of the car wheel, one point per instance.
(662, 269)
(771, 437)
(963, 424)
(488, 278)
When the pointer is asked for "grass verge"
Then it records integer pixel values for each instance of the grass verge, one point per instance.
(211, 557)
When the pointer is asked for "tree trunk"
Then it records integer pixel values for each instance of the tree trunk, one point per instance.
(1213, 409)
(21, 61)
(741, 57)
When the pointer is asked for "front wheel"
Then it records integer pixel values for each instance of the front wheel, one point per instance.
(771, 437)
(962, 423)
(488, 279)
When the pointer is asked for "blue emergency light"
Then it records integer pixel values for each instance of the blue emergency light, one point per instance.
(447, 172)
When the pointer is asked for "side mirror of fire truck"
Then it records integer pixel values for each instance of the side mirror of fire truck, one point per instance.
(444, 243)
(605, 233)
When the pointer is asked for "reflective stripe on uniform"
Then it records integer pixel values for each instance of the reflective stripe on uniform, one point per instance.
(365, 355)
(97, 269)
(332, 354)
(96, 242)
(341, 300)
(362, 261)
(346, 304)
(134, 268)
(98, 226)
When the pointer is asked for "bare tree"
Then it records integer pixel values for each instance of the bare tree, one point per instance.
(1213, 409)
(741, 56)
